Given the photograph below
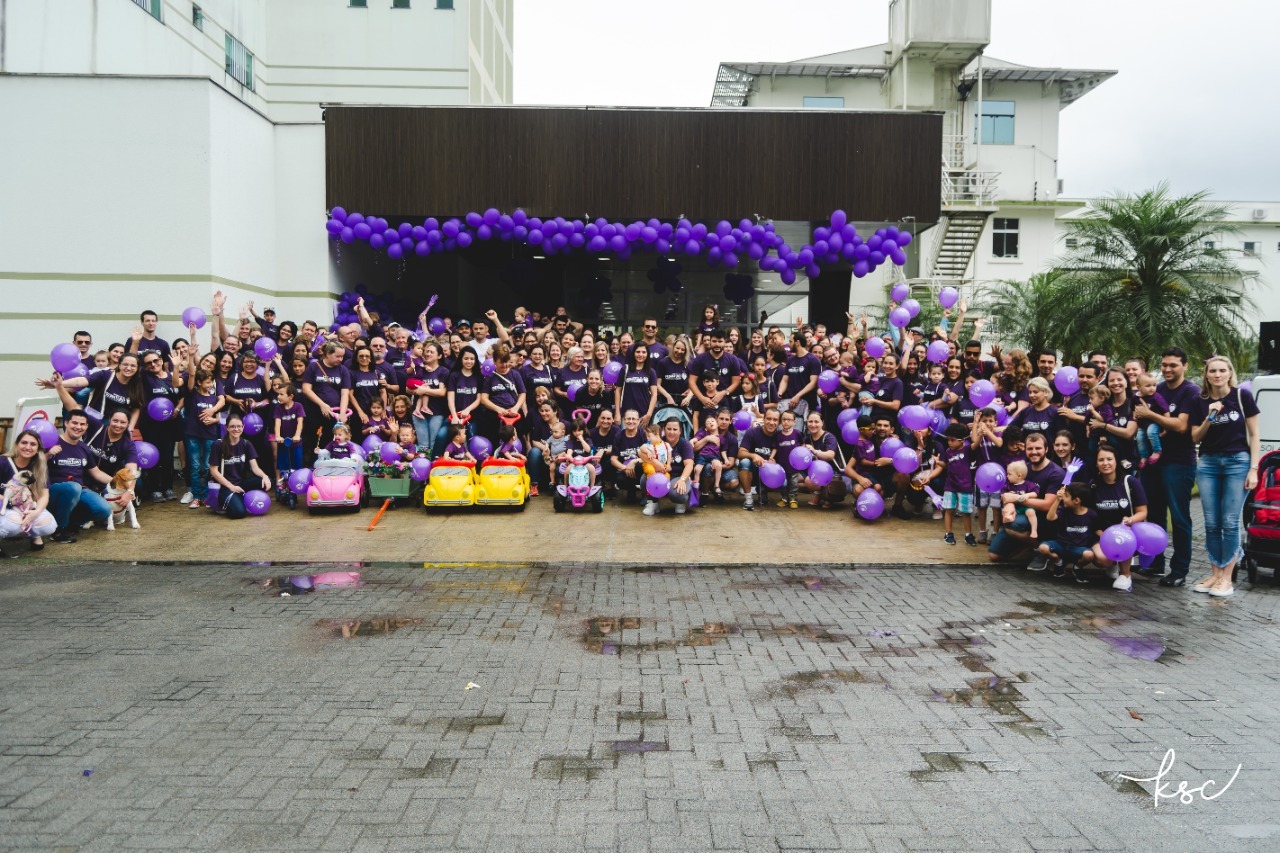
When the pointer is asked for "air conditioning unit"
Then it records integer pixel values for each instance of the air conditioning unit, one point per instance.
(1259, 214)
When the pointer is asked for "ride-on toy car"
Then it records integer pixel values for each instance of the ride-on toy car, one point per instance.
(575, 489)
(502, 482)
(336, 483)
(452, 483)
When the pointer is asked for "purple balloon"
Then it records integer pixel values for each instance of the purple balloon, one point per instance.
(195, 317)
(299, 480)
(772, 475)
(1152, 538)
(828, 381)
(46, 430)
(821, 472)
(905, 460)
(362, 231)
(800, 458)
(160, 409)
(849, 429)
(915, 417)
(846, 416)
(395, 251)
(487, 367)
(147, 453)
(611, 372)
(80, 370)
(339, 214)
(64, 357)
(938, 352)
(657, 485)
(573, 391)
(252, 423)
(1002, 415)
(256, 502)
(870, 505)
(876, 347)
(912, 306)
(436, 326)
(900, 291)
(900, 317)
(1118, 543)
(389, 451)
(265, 348)
(890, 446)
(742, 420)
(982, 393)
(377, 241)
(371, 443)
(990, 477)
(948, 296)
(420, 469)
(480, 447)
(1067, 380)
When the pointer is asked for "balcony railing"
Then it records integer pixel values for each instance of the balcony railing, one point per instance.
(971, 188)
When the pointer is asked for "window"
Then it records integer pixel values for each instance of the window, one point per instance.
(444, 4)
(359, 4)
(1073, 242)
(1211, 244)
(996, 122)
(197, 17)
(399, 4)
(152, 8)
(814, 102)
(239, 62)
(1251, 249)
(1004, 238)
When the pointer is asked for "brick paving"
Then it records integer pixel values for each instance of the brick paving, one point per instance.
(621, 708)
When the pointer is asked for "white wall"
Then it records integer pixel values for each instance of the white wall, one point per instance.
(1028, 167)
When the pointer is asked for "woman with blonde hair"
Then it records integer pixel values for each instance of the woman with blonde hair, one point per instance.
(1224, 423)
(24, 478)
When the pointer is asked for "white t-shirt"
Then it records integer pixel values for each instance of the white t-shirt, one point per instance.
(482, 347)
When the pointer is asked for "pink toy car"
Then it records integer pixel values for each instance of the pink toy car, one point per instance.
(336, 483)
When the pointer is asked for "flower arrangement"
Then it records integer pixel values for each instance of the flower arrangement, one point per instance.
(375, 466)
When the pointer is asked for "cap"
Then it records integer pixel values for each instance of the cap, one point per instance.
(916, 330)
(270, 311)
(463, 322)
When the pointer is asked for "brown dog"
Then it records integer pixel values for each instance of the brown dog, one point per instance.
(122, 482)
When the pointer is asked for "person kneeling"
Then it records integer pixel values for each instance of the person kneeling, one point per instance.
(233, 464)
(1076, 535)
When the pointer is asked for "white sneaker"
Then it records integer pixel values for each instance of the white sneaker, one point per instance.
(88, 525)
(749, 502)
(681, 509)
(1114, 573)
(937, 514)
(651, 508)
(1220, 592)
(187, 497)
(1123, 583)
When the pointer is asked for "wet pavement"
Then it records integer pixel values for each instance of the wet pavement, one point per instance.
(630, 707)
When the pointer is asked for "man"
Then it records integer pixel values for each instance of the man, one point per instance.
(383, 367)
(1075, 409)
(74, 477)
(976, 365)
(679, 469)
(1168, 483)
(347, 336)
(1046, 361)
(877, 470)
(398, 357)
(723, 363)
(1101, 359)
(464, 328)
(797, 391)
(144, 337)
(1008, 545)
(649, 334)
(84, 343)
(759, 445)
(480, 340)
(267, 322)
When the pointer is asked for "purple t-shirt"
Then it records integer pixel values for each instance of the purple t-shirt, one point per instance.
(366, 386)
(438, 378)
(340, 449)
(252, 389)
(1076, 529)
(673, 378)
(593, 403)
(1031, 421)
(465, 389)
(826, 443)
(234, 465)
(1227, 430)
(455, 451)
(198, 403)
(1178, 449)
(71, 462)
(627, 447)
(756, 441)
(958, 463)
(604, 444)
(1078, 403)
(566, 378)
(327, 382)
(538, 377)
(110, 395)
(153, 386)
(156, 345)
(637, 388)
(785, 444)
(504, 389)
(680, 451)
(1113, 502)
(726, 365)
(1048, 479)
(800, 369)
(288, 418)
(110, 455)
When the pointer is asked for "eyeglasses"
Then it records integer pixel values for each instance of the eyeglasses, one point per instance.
(149, 362)
(647, 326)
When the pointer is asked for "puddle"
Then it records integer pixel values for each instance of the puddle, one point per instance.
(1118, 783)
(349, 629)
(945, 762)
(796, 683)
(804, 734)
(1141, 648)
(562, 768)
(306, 584)
(813, 583)
(995, 692)
(600, 636)
(817, 633)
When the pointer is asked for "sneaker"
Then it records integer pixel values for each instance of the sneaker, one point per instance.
(63, 536)
(88, 525)
(1222, 592)
(681, 509)
(1153, 458)
(793, 503)
(1172, 581)
(1038, 563)
(196, 503)
(1114, 573)
(782, 502)
(1078, 575)
(533, 490)
(969, 540)
(1123, 583)
(937, 514)
(719, 497)
(157, 497)
(1204, 585)
(982, 537)
(650, 507)
(187, 497)
(169, 495)
(749, 502)
(949, 538)
(1059, 570)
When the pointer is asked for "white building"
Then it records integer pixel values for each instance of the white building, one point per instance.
(1000, 179)
(158, 150)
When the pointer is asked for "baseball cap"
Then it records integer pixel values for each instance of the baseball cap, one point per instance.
(270, 311)
(463, 322)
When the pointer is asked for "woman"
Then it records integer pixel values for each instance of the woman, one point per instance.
(888, 397)
(502, 395)
(118, 390)
(430, 391)
(600, 356)
(464, 391)
(825, 447)
(367, 384)
(1115, 424)
(24, 467)
(673, 375)
(1224, 424)
(233, 464)
(1118, 498)
(555, 355)
(158, 384)
(756, 348)
(1063, 450)
(225, 370)
(637, 386)
(1020, 372)
(625, 341)
(593, 398)
(537, 373)
(246, 393)
(733, 340)
(568, 341)
(1039, 415)
(573, 374)
(540, 431)
(326, 398)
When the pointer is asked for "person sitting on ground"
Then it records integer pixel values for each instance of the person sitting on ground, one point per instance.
(1071, 548)
(233, 465)
(74, 480)
(26, 464)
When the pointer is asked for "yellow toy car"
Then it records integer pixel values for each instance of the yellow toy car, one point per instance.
(452, 483)
(503, 482)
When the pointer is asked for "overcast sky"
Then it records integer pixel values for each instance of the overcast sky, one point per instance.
(1194, 102)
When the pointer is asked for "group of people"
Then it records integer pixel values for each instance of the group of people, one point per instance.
(713, 411)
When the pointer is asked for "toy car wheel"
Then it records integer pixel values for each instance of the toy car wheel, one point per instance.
(559, 503)
(1251, 568)
(313, 510)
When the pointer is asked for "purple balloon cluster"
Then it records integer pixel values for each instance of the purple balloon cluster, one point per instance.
(345, 310)
(722, 243)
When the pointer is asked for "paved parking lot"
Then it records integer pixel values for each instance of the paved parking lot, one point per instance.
(616, 707)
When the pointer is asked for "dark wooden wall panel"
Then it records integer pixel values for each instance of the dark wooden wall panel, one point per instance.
(634, 163)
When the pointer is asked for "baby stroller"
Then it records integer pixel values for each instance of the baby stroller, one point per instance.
(1262, 520)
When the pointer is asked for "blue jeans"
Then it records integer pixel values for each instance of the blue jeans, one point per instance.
(429, 432)
(1221, 479)
(1148, 439)
(69, 500)
(1168, 486)
(536, 465)
(198, 450)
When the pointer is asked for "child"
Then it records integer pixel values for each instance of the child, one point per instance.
(407, 439)
(934, 393)
(457, 446)
(710, 384)
(870, 385)
(377, 423)
(557, 449)
(709, 447)
(1016, 484)
(1148, 434)
(751, 399)
(987, 443)
(1099, 407)
(956, 462)
(1076, 534)
(508, 445)
(788, 439)
(654, 449)
(341, 447)
(580, 446)
(288, 417)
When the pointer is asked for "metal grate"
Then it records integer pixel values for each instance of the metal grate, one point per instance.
(239, 62)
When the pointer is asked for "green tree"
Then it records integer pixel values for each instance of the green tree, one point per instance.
(1027, 313)
(1142, 277)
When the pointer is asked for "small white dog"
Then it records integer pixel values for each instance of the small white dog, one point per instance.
(122, 482)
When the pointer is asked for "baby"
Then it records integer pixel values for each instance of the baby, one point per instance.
(557, 448)
(1148, 434)
(655, 450)
(870, 385)
(1016, 482)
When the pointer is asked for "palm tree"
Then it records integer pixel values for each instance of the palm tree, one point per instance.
(1143, 277)
(1027, 313)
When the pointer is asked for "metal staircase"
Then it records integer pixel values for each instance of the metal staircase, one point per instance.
(956, 243)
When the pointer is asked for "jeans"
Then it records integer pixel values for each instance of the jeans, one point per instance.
(429, 432)
(68, 500)
(1148, 439)
(11, 525)
(288, 456)
(1221, 479)
(1168, 488)
(198, 450)
(671, 494)
(233, 504)
(536, 465)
